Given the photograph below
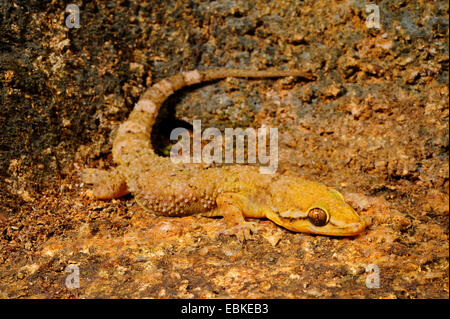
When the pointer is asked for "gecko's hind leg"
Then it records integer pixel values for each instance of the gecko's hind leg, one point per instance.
(106, 184)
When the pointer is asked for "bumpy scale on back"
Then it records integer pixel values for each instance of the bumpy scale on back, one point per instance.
(233, 192)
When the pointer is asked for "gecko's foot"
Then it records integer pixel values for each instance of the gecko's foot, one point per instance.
(243, 231)
(90, 176)
(105, 184)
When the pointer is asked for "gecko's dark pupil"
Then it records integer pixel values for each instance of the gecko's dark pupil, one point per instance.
(317, 217)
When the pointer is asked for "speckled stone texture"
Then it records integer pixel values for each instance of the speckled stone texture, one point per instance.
(374, 125)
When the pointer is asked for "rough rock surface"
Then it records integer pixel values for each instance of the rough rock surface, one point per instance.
(374, 125)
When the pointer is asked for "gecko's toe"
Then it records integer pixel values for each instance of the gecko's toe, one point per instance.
(91, 176)
(243, 231)
(105, 184)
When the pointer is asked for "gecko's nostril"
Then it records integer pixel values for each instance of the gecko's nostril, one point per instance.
(359, 227)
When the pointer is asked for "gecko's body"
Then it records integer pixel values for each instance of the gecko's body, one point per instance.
(233, 192)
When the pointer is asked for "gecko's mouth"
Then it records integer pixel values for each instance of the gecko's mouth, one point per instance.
(338, 228)
(350, 229)
(345, 222)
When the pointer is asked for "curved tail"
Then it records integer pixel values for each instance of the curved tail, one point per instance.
(134, 134)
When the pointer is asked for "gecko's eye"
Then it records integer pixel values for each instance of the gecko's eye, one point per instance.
(318, 217)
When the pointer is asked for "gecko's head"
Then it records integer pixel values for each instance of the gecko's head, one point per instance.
(309, 207)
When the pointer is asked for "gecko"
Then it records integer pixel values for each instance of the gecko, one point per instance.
(234, 192)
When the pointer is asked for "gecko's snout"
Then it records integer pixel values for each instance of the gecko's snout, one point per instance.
(347, 223)
(357, 227)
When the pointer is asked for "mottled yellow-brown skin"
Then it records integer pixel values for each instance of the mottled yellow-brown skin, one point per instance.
(233, 192)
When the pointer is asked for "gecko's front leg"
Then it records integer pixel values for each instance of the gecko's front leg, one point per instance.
(232, 206)
(106, 184)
